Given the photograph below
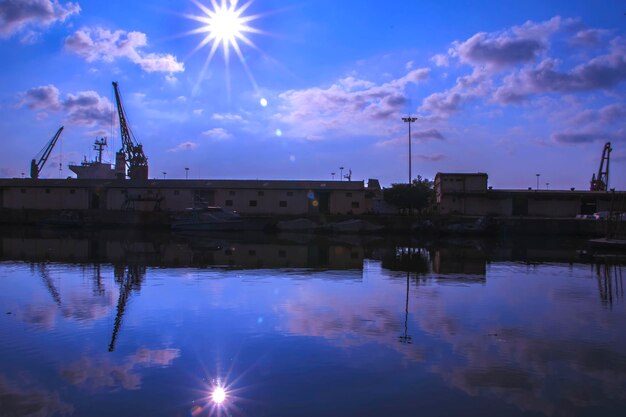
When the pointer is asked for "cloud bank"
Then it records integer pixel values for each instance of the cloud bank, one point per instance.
(100, 44)
(19, 15)
(86, 108)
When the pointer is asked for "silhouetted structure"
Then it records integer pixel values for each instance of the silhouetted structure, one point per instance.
(37, 165)
(601, 181)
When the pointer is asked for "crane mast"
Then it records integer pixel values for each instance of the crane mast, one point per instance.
(136, 160)
(601, 181)
(37, 166)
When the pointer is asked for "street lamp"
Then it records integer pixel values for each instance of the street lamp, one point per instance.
(537, 181)
(409, 120)
(547, 185)
(340, 173)
(332, 175)
(164, 173)
(186, 173)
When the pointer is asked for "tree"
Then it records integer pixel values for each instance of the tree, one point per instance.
(416, 196)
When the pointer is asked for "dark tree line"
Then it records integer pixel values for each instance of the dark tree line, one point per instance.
(417, 196)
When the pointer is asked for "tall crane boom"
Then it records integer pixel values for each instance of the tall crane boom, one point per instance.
(601, 182)
(136, 160)
(37, 166)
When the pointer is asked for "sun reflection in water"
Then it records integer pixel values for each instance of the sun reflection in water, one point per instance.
(218, 395)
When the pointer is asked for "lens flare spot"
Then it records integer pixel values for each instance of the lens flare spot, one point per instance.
(315, 203)
(263, 102)
(279, 132)
(218, 395)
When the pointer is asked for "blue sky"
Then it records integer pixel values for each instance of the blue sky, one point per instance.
(508, 88)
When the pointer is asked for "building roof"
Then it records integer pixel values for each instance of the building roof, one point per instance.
(464, 174)
(539, 194)
(176, 183)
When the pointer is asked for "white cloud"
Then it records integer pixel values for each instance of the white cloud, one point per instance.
(17, 15)
(184, 146)
(198, 112)
(350, 106)
(229, 117)
(441, 60)
(217, 133)
(171, 79)
(99, 44)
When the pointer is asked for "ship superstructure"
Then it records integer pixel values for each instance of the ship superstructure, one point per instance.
(95, 169)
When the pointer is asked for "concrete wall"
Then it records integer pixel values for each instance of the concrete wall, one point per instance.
(266, 201)
(462, 183)
(550, 208)
(543, 204)
(45, 198)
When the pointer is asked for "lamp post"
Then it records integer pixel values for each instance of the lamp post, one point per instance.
(164, 173)
(409, 120)
(332, 175)
(186, 173)
(537, 181)
(547, 185)
(340, 173)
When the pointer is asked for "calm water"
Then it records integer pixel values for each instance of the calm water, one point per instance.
(294, 326)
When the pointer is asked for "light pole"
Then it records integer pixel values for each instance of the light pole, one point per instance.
(537, 181)
(340, 173)
(409, 120)
(164, 173)
(547, 185)
(186, 173)
(332, 175)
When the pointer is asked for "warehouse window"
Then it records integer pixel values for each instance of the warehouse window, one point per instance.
(228, 203)
(252, 252)
(282, 204)
(355, 204)
(252, 203)
(231, 192)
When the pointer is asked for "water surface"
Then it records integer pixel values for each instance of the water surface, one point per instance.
(100, 325)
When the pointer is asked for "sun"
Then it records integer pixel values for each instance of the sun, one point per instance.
(225, 25)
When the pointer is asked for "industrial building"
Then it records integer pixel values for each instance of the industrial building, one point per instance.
(251, 197)
(469, 194)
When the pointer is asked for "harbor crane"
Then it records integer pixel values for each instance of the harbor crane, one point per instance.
(37, 166)
(601, 181)
(132, 150)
